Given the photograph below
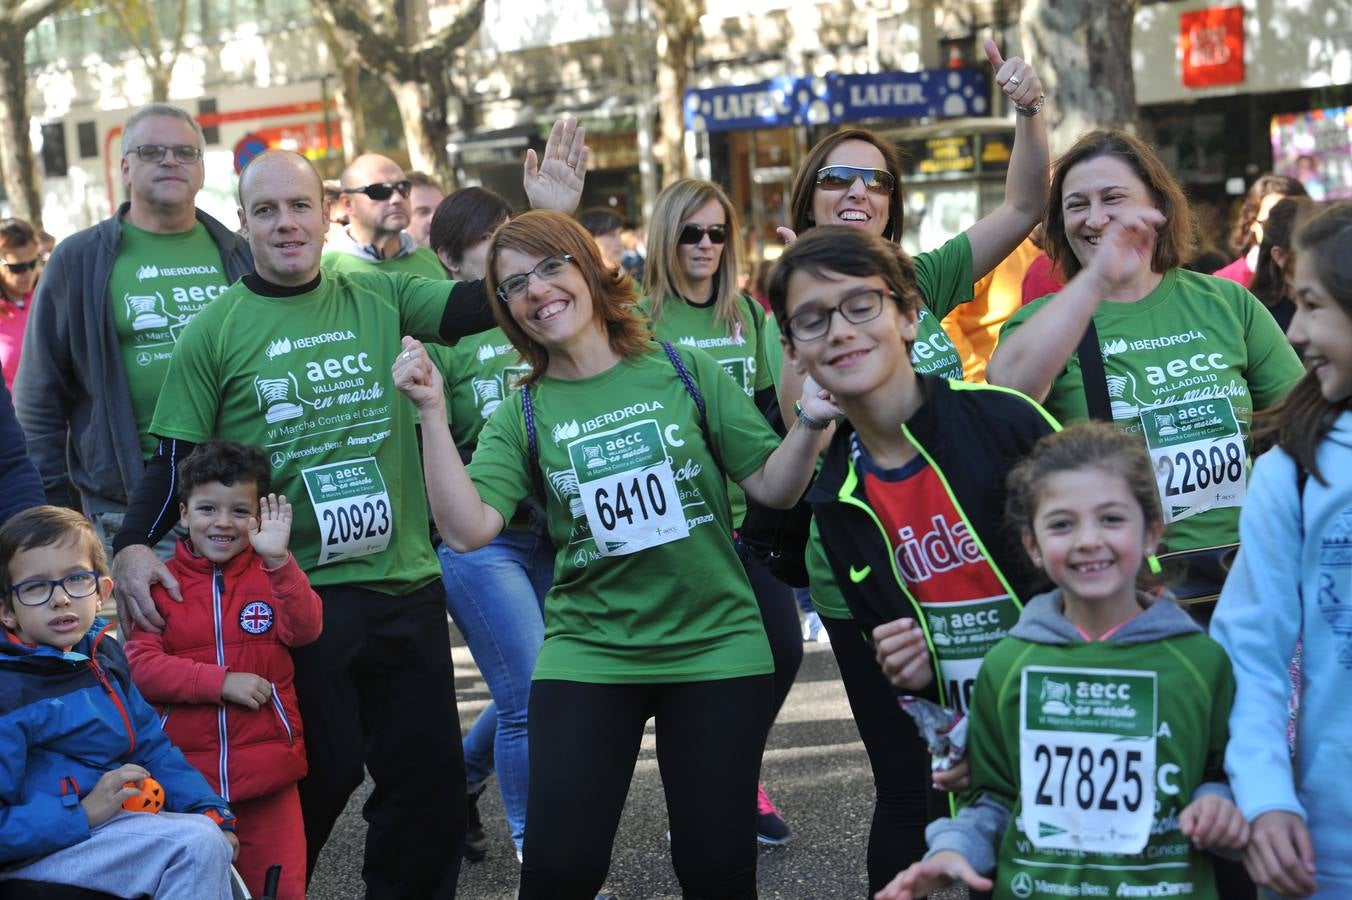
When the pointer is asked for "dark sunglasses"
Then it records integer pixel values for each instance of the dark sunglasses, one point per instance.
(20, 268)
(693, 234)
(838, 178)
(384, 190)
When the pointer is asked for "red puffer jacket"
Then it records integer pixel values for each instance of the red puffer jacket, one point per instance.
(239, 618)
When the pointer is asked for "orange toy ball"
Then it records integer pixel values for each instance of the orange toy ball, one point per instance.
(150, 800)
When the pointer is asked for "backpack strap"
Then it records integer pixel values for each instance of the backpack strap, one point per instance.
(692, 389)
(532, 442)
(1092, 374)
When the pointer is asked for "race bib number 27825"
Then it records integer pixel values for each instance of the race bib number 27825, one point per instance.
(1087, 758)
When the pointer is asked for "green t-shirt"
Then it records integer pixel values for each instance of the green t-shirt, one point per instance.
(1193, 338)
(945, 280)
(479, 372)
(1187, 712)
(774, 348)
(420, 262)
(740, 350)
(307, 378)
(624, 448)
(159, 282)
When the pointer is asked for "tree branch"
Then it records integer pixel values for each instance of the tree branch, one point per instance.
(28, 13)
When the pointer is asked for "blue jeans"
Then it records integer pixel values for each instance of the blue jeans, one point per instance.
(496, 596)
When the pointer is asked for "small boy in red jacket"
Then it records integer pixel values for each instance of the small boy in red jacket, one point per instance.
(221, 671)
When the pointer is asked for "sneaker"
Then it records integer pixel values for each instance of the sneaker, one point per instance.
(476, 842)
(813, 630)
(770, 826)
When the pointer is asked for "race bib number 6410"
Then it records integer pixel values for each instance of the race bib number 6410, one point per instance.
(628, 489)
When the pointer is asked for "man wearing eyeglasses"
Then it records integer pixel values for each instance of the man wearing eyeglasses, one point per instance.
(378, 200)
(112, 303)
(297, 359)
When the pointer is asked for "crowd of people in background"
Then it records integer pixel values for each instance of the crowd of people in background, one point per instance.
(1064, 495)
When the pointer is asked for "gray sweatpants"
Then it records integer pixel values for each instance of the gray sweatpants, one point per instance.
(168, 856)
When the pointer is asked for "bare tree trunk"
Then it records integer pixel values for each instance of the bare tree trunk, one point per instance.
(635, 42)
(409, 97)
(347, 89)
(1082, 49)
(16, 150)
(17, 163)
(677, 24)
(418, 72)
(139, 22)
(351, 119)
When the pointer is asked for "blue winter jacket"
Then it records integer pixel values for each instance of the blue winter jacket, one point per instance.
(65, 720)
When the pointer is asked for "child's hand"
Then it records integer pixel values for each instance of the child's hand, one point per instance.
(955, 779)
(234, 844)
(901, 651)
(271, 531)
(1280, 855)
(1214, 823)
(246, 689)
(103, 802)
(940, 870)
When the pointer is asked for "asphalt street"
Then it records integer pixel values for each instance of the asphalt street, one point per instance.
(815, 769)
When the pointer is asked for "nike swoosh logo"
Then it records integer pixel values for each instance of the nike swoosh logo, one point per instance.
(858, 575)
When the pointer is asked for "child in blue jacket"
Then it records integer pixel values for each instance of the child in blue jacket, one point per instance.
(77, 739)
(1290, 588)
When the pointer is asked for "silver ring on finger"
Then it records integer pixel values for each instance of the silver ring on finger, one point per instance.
(1014, 80)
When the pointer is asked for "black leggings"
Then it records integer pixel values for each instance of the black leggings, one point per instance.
(783, 628)
(584, 741)
(899, 758)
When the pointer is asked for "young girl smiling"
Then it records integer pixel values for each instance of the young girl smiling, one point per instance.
(1098, 726)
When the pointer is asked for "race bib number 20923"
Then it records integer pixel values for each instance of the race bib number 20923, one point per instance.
(353, 508)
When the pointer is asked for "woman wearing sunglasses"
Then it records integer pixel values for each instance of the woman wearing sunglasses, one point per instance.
(20, 265)
(629, 446)
(853, 178)
(691, 298)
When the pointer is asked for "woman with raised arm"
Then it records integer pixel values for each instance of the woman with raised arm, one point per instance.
(629, 445)
(1181, 358)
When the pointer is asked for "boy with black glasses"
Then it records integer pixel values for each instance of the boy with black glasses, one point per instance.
(77, 740)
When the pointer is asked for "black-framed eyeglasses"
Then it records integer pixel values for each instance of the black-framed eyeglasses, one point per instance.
(514, 287)
(37, 591)
(693, 234)
(839, 178)
(858, 308)
(383, 190)
(18, 268)
(153, 153)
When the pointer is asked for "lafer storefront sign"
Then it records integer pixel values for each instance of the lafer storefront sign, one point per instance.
(1212, 45)
(816, 100)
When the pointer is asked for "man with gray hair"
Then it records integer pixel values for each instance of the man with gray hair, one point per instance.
(111, 304)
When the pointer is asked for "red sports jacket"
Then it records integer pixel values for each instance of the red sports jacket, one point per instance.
(240, 618)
